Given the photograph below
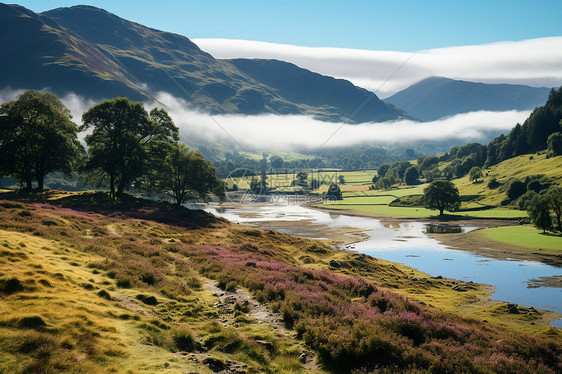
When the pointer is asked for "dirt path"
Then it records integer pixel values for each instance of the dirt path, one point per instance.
(241, 299)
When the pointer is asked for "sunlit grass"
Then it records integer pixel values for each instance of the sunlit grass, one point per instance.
(131, 275)
(526, 237)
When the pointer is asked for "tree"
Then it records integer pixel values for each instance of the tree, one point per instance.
(122, 135)
(539, 212)
(37, 137)
(554, 200)
(411, 176)
(441, 195)
(448, 172)
(334, 192)
(516, 189)
(276, 162)
(302, 177)
(341, 179)
(381, 171)
(183, 175)
(554, 144)
(432, 174)
(475, 173)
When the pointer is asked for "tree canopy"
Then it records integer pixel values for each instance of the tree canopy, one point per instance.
(183, 174)
(475, 174)
(441, 195)
(539, 212)
(121, 138)
(37, 136)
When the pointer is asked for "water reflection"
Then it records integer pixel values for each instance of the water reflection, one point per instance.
(406, 243)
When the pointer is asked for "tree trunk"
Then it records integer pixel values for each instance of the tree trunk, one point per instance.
(28, 183)
(441, 211)
(112, 187)
(40, 180)
(120, 189)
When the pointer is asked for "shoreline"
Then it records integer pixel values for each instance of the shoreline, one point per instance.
(343, 238)
(470, 241)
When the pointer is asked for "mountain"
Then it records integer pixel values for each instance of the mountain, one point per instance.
(438, 97)
(96, 54)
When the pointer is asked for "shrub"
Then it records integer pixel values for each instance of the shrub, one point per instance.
(104, 295)
(123, 283)
(148, 300)
(516, 189)
(184, 340)
(493, 184)
(10, 286)
(31, 322)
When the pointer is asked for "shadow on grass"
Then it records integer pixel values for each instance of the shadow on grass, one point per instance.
(452, 217)
(554, 234)
(124, 206)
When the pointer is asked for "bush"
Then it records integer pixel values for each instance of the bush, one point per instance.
(148, 300)
(493, 184)
(516, 189)
(123, 283)
(10, 286)
(184, 340)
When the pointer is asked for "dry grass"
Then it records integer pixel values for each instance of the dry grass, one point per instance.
(65, 253)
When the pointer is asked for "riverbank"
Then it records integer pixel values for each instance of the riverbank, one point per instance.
(407, 247)
(475, 241)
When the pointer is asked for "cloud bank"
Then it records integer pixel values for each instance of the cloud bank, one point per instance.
(297, 132)
(535, 62)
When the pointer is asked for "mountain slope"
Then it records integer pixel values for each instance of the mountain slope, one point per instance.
(98, 55)
(37, 53)
(315, 90)
(437, 97)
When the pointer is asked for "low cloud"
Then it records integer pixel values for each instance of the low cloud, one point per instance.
(297, 132)
(535, 62)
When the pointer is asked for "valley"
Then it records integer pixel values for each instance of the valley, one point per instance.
(245, 202)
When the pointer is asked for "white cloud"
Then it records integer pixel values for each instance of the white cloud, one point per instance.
(536, 62)
(296, 132)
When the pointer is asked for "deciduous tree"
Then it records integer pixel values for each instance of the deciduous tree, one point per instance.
(184, 174)
(554, 200)
(122, 134)
(37, 137)
(475, 174)
(539, 212)
(441, 195)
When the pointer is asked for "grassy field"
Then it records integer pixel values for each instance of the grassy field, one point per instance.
(92, 285)
(416, 212)
(282, 182)
(376, 203)
(524, 237)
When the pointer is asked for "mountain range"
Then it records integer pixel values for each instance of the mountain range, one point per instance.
(96, 54)
(438, 97)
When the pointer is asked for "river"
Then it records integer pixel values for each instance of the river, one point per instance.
(515, 281)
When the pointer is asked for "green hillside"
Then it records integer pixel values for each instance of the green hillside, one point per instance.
(93, 285)
(96, 54)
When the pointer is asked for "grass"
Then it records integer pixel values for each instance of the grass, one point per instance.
(525, 237)
(519, 168)
(64, 253)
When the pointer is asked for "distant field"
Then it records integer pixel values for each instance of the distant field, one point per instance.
(417, 212)
(282, 182)
(523, 236)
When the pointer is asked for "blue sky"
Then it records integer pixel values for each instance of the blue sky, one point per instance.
(376, 25)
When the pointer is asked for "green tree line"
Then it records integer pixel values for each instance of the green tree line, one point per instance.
(127, 147)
